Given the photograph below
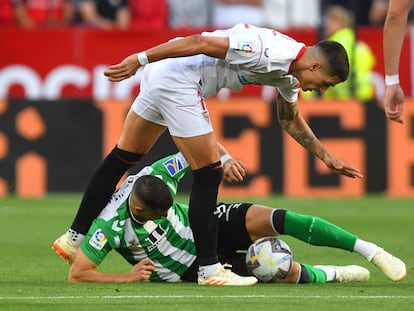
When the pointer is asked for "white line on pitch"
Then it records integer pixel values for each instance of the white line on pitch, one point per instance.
(200, 296)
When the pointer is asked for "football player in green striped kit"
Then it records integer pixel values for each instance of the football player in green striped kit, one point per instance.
(144, 225)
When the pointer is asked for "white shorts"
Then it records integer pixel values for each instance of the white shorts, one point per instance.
(171, 96)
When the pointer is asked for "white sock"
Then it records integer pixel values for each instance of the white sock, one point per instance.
(330, 273)
(206, 271)
(366, 249)
(77, 237)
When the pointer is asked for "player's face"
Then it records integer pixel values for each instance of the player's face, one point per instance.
(316, 79)
(146, 214)
(143, 214)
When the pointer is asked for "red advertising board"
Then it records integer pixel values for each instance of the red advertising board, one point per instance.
(66, 62)
(69, 63)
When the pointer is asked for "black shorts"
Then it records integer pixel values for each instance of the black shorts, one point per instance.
(233, 238)
(232, 235)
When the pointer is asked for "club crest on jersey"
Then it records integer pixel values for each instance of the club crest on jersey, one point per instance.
(174, 166)
(98, 239)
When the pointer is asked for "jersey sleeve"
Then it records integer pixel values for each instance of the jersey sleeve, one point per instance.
(171, 170)
(96, 244)
(288, 87)
(245, 46)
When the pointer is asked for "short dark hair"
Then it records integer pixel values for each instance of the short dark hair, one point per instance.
(336, 58)
(152, 192)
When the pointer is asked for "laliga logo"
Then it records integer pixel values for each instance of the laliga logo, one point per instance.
(52, 85)
(246, 48)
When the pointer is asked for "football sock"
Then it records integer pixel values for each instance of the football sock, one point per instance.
(312, 230)
(77, 238)
(101, 187)
(302, 271)
(329, 272)
(203, 222)
(366, 249)
(206, 271)
(310, 274)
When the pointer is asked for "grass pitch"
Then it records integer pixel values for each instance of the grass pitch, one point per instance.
(34, 278)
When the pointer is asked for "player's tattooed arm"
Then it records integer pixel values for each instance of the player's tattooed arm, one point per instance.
(291, 120)
(293, 123)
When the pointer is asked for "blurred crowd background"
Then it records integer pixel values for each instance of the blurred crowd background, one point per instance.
(338, 20)
(161, 14)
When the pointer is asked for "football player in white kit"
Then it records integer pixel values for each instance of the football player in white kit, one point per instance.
(177, 77)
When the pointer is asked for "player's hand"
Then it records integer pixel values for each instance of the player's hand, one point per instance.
(124, 70)
(394, 102)
(340, 167)
(234, 170)
(142, 270)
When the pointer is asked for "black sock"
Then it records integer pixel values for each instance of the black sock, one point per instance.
(203, 201)
(278, 220)
(101, 187)
(304, 275)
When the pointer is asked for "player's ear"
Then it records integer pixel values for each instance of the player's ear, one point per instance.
(138, 208)
(314, 66)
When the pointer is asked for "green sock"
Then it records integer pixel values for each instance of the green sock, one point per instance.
(317, 231)
(316, 275)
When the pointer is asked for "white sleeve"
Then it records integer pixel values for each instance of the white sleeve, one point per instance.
(288, 87)
(245, 46)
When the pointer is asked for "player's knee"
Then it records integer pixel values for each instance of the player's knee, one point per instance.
(295, 275)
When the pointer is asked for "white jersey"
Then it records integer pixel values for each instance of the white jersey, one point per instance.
(257, 56)
(173, 90)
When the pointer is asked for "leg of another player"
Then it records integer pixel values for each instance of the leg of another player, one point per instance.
(306, 274)
(203, 157)
(137, 138)
(317, 231)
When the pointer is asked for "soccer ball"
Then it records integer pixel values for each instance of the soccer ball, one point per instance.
(269, 259)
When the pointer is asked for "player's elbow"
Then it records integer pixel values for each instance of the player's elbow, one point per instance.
(75, 275)
(201, 43)
(398, 13)
(208, 45)
(73, 279)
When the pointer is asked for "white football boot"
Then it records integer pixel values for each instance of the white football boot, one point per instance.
(65, 248)
(225, 277)
(352, 273)
(393, 267)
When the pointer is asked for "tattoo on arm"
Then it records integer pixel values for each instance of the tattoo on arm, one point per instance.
(293, 123)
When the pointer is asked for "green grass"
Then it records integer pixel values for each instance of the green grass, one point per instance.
(34, 278)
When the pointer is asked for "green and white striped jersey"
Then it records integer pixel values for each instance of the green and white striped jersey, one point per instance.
(168, 242)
